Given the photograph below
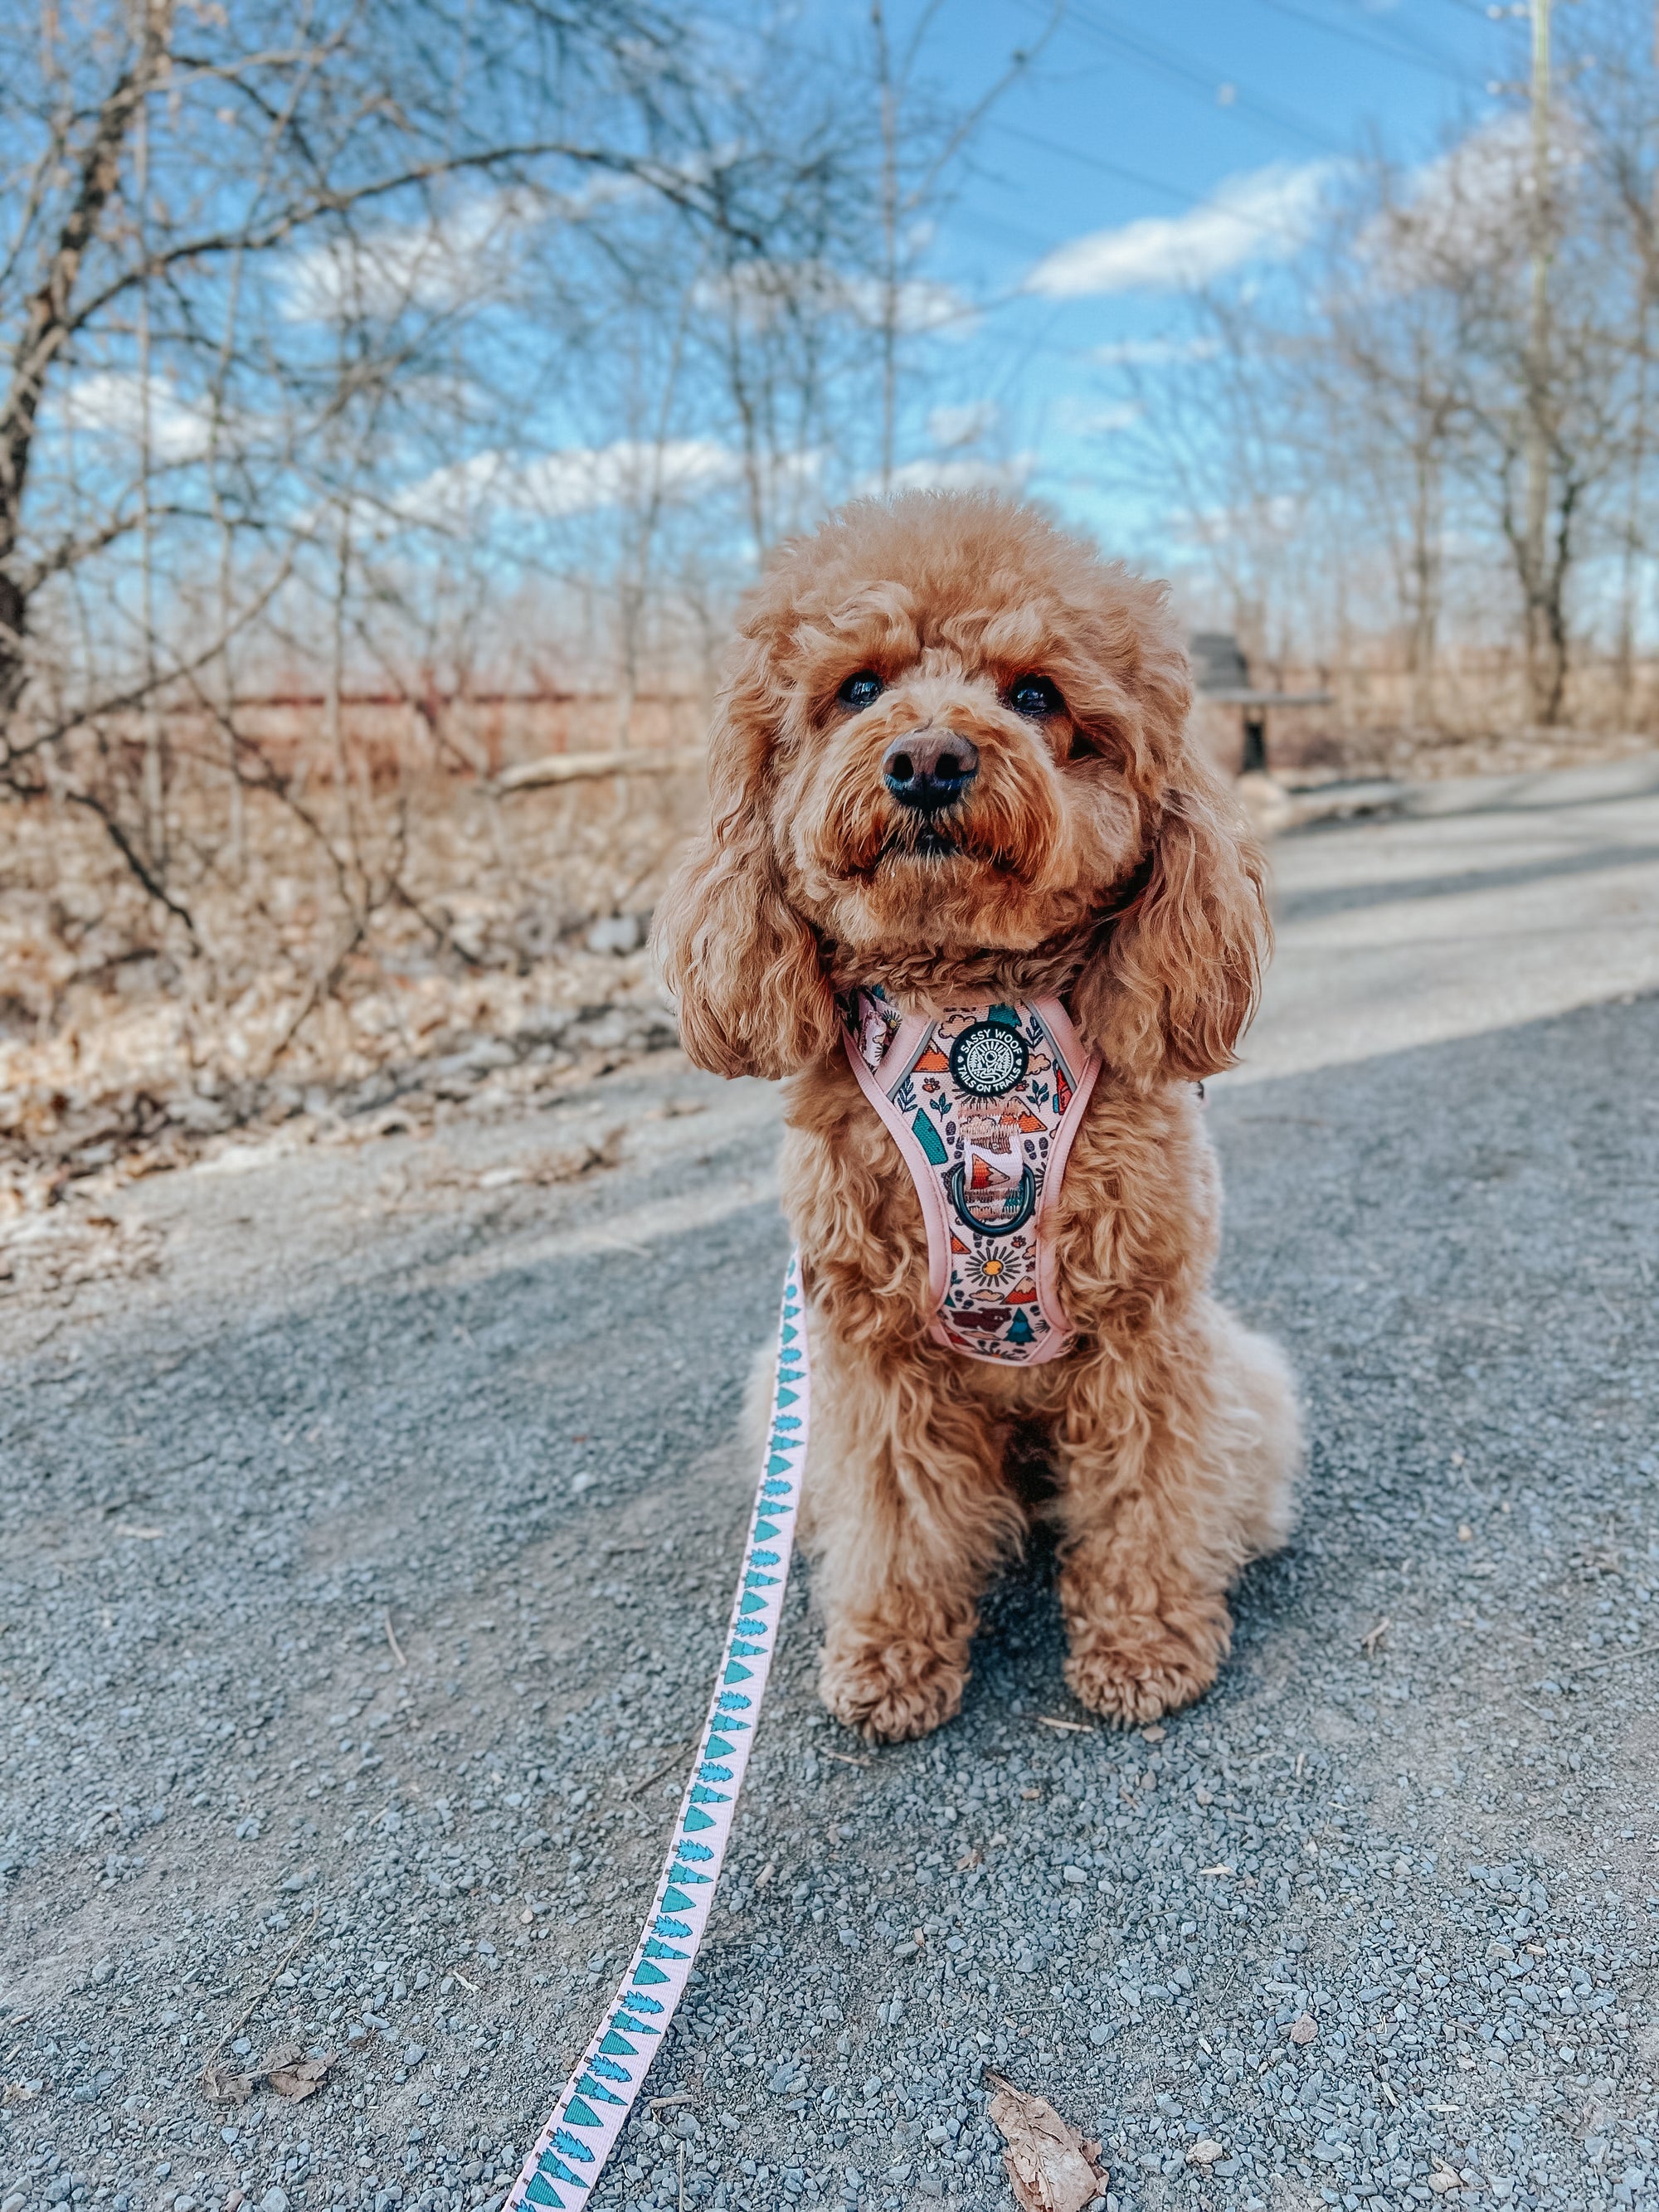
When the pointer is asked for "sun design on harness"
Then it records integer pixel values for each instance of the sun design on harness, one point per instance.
(1000, 1274)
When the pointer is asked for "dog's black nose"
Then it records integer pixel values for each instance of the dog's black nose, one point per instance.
(930, 770)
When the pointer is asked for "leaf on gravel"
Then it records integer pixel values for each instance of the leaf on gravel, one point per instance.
(224, 2085)
(293, 2076)
(1206, 2152)
(1050, 2167)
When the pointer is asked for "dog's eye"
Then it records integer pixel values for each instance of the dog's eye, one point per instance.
(1035, 695)
(862, 690)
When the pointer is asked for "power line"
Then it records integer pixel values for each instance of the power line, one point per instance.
(1263, 223)
(1099, 161)
(1416, 55)
(1152, 55)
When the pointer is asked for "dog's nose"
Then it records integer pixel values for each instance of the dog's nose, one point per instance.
(930, 769)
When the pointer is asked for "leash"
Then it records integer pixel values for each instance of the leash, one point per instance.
(569, 2154)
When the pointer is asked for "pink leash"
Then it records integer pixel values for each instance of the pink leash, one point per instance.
(569, 2155)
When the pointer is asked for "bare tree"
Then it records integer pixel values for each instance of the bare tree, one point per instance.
(193, 202)
(1464, 356)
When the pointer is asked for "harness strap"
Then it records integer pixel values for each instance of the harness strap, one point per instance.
(984, 1103)
(569, 2154)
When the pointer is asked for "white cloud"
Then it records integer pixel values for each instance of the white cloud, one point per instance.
(1279, 517)
(962, 426)
(576, 480)
(1154, 353)
(470, 252)
(1467, 207)
(763, 288)
(937, 474)
(1086, 421)
(110, 403)
(1265, 216)
(921, 306)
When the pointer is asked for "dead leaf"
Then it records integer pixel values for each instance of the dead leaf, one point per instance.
(1206, 2152)
(1050, 2167)
(224, 2085)
(297, 2077)
(1305, 2029)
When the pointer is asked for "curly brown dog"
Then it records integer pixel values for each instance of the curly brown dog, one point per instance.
(949, 772)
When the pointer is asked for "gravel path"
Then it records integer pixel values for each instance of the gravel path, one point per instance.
(368, 1519)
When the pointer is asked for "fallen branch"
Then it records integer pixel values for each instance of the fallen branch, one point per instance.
(581, 768)
(1612, 1659)
(264, 1991)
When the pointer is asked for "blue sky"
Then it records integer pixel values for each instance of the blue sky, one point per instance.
(1209, 116)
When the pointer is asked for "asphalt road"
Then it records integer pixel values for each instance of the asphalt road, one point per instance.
(369, 1514)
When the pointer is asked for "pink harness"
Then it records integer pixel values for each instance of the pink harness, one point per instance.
(983, 1102)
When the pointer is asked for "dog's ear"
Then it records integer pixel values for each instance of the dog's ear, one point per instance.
(1175, 977)
(742, 964)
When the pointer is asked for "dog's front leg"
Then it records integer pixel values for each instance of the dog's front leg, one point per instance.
(905, 1516)
(1178, 1445)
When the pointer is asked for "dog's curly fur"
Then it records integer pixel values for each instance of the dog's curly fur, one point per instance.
(1098, 859)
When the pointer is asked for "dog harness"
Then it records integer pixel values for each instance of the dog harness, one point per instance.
(983, 1102)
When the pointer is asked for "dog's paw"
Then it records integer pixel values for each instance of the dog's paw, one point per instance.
(1136, 1671)
(891, 1692)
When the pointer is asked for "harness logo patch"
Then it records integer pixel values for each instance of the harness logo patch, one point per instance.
(989, 1059)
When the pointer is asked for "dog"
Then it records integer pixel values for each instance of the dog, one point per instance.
(962, 863)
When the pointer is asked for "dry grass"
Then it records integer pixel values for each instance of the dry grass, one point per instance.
(381, 953)
(382, 939)
(1411, 756)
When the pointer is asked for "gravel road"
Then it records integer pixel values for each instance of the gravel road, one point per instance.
(369, 1514)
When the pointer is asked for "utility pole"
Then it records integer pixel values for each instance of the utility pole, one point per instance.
(889, 90)
(1538, 367)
